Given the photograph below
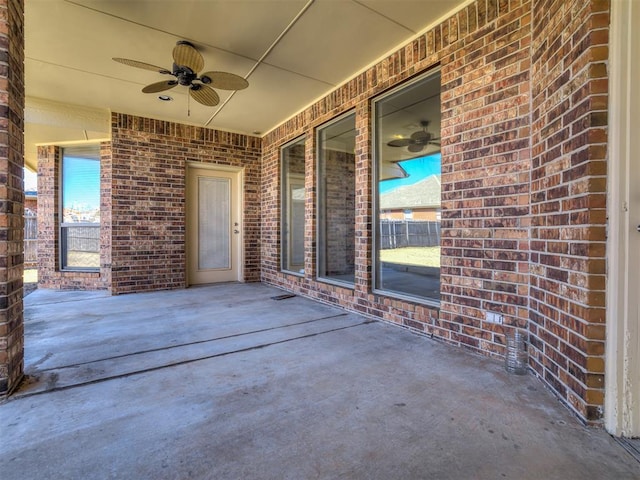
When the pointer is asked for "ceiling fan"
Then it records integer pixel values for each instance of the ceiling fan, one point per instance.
(187, 62)
(418, 140)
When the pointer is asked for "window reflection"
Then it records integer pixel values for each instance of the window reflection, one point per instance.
(293, 201)
(407, 189)
(336, 202)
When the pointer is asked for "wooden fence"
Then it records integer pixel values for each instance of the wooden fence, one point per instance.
(81, 238)
(30, 240)
(409, 233)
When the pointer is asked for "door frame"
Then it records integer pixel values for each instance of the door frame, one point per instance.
(239, 238)
(622, 385)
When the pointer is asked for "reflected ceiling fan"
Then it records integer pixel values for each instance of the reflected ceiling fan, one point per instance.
(187, 62)
(418, 140)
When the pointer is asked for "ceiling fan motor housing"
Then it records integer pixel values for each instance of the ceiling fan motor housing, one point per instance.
(184, 74)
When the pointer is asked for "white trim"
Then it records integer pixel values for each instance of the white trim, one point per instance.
(214, 166)
(48, 112)
(622, 390)
(240, 171)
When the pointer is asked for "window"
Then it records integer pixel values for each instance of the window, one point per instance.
(336, 200)
(293, 200)
(80, 227)
(407, 190)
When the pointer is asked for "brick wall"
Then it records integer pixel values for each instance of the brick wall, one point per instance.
(48, 200)
(496, 195)
(106, 215)
(49, 273)
(485, 176)
(11, 193)
(484, 54)
(148, 198)
(142, 200)
(568, 199)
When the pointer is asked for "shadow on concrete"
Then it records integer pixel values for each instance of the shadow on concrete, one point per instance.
(225, 382)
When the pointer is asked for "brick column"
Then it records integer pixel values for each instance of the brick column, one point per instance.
(568, 200)
(11, 193)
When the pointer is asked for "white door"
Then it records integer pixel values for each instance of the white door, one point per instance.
(622, 381)
(214, 237)
(633, 299)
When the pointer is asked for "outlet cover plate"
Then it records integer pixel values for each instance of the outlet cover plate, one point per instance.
(493, 317)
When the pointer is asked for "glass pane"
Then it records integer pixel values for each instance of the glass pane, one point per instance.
(297, 226)
(408, 192)
(81, 185)
(80, 228)
(336, 214)
(293, 202)
(214, 222)
(82, 246)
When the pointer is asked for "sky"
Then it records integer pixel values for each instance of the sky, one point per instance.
(30, 181)
(81, 189)
(417, 168)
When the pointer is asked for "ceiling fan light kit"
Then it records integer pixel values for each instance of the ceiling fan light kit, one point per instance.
(187, 62)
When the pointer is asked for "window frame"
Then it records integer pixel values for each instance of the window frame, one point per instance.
(375, 194)
(64, 226)
(285, 206)
(320, 234)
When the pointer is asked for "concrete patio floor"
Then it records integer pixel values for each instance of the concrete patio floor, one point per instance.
(224, 382)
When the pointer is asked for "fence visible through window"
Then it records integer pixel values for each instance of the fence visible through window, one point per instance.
(82, 245)
(409, 233)
(30, 239)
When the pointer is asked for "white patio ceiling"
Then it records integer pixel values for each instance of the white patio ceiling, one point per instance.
(292, 52)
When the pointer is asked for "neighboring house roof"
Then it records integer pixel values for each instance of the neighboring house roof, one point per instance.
(422, 194)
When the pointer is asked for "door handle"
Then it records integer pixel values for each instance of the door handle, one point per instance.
(238, 231)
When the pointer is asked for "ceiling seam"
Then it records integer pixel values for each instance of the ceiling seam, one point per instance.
(177, 36)
(264, 55)
(257, 63)
(196, 42)
(68, 67)
(423, 31)
(371, 9)
(70, 2)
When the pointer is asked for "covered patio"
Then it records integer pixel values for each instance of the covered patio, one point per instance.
(247, 381)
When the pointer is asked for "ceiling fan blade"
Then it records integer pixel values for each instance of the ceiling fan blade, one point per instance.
(137, 64)
(421, 136)
(159, 86)
(225, 80)
(185, 55)
(400, 142)
(204, 95)
(415, 147)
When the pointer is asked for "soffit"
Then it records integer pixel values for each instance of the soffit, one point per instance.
(291, 51)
